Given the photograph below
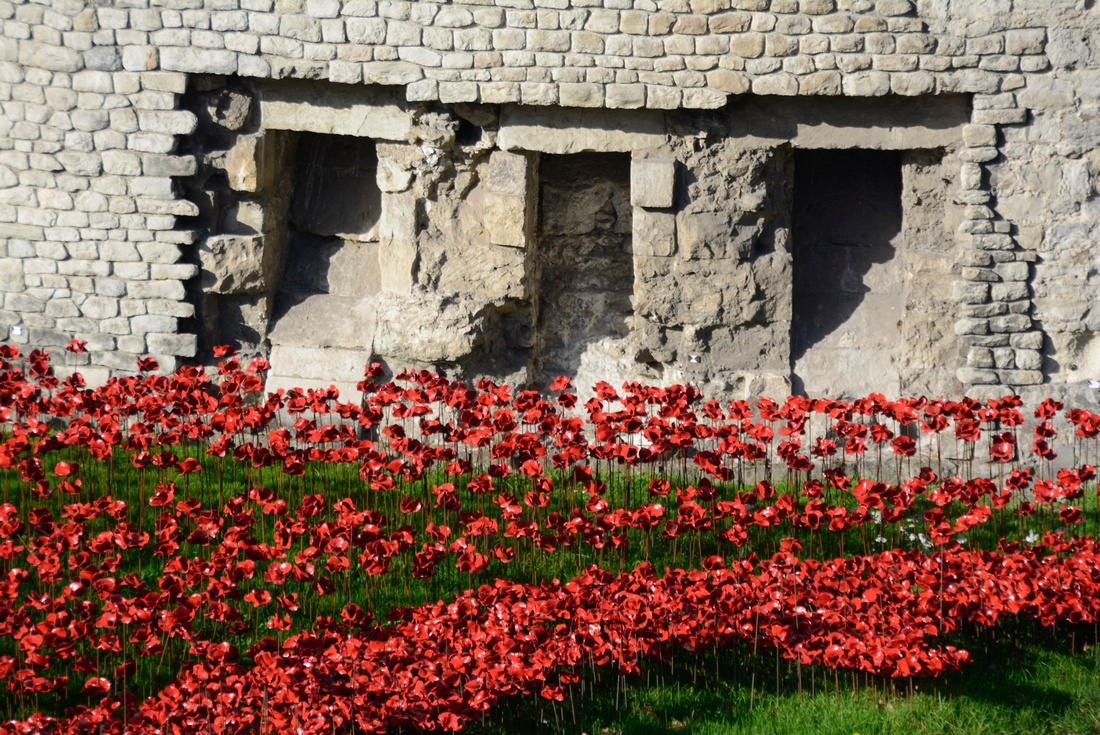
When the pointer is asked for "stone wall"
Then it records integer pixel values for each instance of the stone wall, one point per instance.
(148, 161)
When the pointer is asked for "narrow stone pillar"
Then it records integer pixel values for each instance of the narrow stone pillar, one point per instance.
(510, 205)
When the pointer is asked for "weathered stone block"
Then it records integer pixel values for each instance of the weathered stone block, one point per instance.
(572, 131)
(1029, 359)
(580, 95)
(1016, 271)
(654, 234)
(979, 357)
(867, 84)
(1025, 41)
(728, 81)
(970, 292)
(335, 109)
(140, 58)
(147, 323)
(198, 60)
(625, 96)
(972, 326)
(506, 220)
(1001, 117)
(327, 364)
(429, 329)
(20, 232)
(100, 307)
(173, 290)
(398, 220)
(158, 165)
(392, 177)
(180, 271)
(232, 264)
(11, 275)
(652, 182)
(1010, 323)
(1010, 291)
(976, 376)
(912, 84)
(172, 122)
(775, 84)
(1020, 377)
(1027, 340)
(45, 56)
(510, 173)
(183, 345)
(820, 83)
(253, 162)
(1004, 357)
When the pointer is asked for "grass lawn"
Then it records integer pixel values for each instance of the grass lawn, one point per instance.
(1023, 680)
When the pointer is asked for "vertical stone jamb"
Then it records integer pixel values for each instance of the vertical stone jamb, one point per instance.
(510, 206)
(398, 223)
(996, 332)
(652, 194)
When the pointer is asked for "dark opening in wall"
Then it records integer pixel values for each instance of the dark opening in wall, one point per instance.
(335, 188)
(584, 267)
(849, 278)
(324, 300)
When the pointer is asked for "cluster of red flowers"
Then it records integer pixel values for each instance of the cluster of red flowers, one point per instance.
(445, 664)
(298, 502)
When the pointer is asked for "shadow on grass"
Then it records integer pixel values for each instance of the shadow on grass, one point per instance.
(1025, 680)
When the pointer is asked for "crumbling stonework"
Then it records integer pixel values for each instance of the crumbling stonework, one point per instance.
(162, 188)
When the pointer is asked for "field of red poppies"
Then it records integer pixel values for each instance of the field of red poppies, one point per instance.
(184, 553)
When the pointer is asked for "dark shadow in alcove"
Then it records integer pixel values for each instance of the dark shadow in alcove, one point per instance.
(331, 253)
(788, 117)
(583, 259)
(847, 218)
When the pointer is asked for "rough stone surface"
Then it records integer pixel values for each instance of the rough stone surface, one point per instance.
(334, 110)
(150, 173)
(652, 182)
(232, 264)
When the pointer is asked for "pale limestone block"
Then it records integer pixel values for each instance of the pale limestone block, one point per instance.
(173, 290)
(198, 60)
(775, 84)
(866, 84)
(652, 182)
(510, 174)
(912, 84)
(182, 345)
(625, 96)
(232, 264)
(505, 219)
(336, 109)
(253, 162)
(702, 98)
(820, 83)
(728, 81)
(557, 130)
(1025, 41)
(580, 95)
(398, 219)
(397, 263)
(654, 233)
(392, 177)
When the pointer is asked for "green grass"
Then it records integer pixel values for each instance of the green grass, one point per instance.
(1035, 685)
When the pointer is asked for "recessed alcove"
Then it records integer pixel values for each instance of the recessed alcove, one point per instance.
(584, 267)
